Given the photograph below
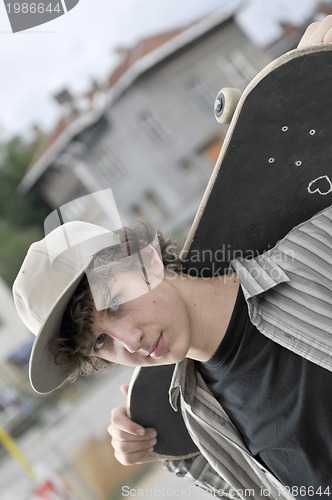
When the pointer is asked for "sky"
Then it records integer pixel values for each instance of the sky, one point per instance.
(79, 46)
(260, 18)
(74, 49)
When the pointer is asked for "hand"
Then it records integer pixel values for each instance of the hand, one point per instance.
(132, 443)
(318, 32)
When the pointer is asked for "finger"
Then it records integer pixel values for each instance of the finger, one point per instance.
(120, 419)
(140, 457)
(124, 389)
(121, 435)
(328, 36)
(305, 40)
(320, 33)
(129, 447)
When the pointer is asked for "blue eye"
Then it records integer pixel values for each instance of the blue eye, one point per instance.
(100, 341)
(115, 303)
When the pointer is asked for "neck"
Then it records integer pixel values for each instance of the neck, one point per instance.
(210, 303)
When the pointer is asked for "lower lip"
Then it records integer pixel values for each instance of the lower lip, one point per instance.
(157, 352)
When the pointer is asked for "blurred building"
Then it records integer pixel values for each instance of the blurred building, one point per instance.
(150, 132)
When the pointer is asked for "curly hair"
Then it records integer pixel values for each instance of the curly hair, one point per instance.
(73, 346)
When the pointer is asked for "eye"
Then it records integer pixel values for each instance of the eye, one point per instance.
(115, 303)
(100, 341)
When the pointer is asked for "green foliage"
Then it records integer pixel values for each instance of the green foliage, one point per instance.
(15, 243)
(21, 216)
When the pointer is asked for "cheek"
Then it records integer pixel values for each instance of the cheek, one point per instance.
(160, 311)
(172, 309)
(111, 352)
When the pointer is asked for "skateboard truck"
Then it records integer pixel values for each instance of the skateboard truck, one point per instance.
(225, 104)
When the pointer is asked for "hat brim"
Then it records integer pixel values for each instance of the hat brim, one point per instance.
(45, 375)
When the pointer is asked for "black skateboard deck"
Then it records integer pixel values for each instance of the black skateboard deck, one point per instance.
(275, 166)
(148, 404)
(274, 172)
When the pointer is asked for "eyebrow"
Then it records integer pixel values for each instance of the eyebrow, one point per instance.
(90, 343)
(145, 274)
(87, 347)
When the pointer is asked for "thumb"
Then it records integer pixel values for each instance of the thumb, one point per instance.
(124, 389)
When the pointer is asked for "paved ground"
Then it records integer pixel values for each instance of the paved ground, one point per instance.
(65, 429)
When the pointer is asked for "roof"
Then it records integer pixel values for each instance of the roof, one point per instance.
(141, 49)
(132, 54)
(137, 60)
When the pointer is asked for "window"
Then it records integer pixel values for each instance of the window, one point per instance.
(238, 67)
(154, 129)
(150, 206)
(200, 93)
(136, 210)
(109, 167)
(193, 173)
(154, 203)
(211, 151)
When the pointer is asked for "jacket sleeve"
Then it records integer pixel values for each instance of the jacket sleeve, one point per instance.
(198, 470)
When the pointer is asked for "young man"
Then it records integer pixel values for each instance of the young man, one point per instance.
(253, 348)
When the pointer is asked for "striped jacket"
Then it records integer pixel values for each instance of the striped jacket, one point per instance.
(288, 291)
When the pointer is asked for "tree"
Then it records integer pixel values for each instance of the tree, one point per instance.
(21, 216)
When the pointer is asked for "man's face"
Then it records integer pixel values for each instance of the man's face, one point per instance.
(152, 329)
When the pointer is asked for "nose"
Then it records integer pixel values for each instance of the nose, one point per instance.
(129, 337)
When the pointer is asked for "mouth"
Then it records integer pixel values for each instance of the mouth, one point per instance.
(158, 348)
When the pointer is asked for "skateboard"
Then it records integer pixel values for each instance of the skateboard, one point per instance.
(274, 171)
(148, 405)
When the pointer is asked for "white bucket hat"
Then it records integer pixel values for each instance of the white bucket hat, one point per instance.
(50, 273)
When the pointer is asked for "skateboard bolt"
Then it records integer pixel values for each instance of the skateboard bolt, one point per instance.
(218, 104)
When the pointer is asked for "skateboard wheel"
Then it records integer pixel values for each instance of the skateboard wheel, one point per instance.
(225, 104)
